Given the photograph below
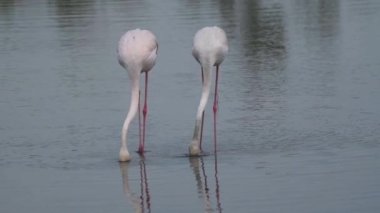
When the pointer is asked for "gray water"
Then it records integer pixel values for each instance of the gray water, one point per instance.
(299, 108)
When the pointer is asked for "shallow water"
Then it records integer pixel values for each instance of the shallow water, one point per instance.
(298, 120)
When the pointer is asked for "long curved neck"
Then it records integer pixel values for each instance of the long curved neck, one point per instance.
(205, 94)
(135, 88)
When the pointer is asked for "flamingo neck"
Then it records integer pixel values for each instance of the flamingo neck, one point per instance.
(205, 94)
(135, 87)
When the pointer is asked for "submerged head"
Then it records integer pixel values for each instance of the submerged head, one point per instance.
(124, 155)
(194, 149)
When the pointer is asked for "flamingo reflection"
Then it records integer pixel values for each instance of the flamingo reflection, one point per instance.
(140, 203)
(198, 166)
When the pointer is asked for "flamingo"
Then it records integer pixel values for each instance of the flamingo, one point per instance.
(137, 53)
(210, 46)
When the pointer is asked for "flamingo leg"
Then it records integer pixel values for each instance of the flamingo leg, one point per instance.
(215, 107)
(201, 136)
(140, 132)
(145, 112)
(203, 118)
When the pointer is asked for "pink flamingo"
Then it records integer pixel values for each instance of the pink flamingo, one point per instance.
(137, 53)
(209, 48)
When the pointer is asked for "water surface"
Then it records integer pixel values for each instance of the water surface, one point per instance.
(298, 120)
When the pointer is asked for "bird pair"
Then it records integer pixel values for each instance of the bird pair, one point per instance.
(137, 53)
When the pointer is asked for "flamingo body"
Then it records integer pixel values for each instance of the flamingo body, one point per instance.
(210, 46)
(137, 53)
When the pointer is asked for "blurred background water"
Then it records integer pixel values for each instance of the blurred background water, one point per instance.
(299, 118)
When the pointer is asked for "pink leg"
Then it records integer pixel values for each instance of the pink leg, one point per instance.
(203, 118)
(215, 107)
(200, 141)
(145, 112)
(140, 135)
